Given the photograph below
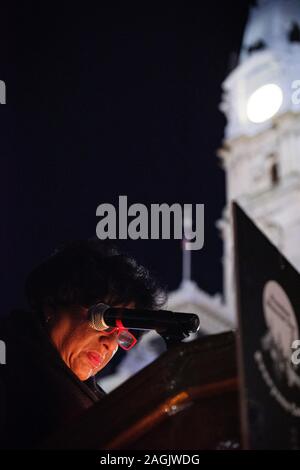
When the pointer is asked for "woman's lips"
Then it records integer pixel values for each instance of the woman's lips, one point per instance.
(95, 358)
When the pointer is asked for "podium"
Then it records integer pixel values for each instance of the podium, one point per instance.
(187, 399)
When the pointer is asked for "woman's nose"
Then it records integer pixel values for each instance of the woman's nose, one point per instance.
(110, 341)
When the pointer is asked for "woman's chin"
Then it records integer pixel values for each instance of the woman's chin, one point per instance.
(83, 371)
(85, 374)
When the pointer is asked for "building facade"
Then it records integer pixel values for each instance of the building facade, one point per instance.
(261, 160)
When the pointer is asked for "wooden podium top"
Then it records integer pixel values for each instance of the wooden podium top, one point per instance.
(186, 399)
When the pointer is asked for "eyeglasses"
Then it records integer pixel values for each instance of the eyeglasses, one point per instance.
(125, 338)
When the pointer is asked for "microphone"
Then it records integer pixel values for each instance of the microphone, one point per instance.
(101, 317)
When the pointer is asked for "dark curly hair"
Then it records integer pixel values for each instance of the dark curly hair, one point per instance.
(89, 271)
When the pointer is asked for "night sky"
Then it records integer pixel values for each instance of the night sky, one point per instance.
(109, 101)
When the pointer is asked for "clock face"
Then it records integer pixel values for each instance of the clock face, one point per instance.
(264, 103)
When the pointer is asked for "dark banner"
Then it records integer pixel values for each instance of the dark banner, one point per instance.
(268, 291)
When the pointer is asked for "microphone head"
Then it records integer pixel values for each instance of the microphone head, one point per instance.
(95, 315)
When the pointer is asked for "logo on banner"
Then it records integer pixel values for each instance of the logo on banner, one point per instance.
(276, 359)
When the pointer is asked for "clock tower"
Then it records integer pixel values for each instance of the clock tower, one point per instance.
(261, 147)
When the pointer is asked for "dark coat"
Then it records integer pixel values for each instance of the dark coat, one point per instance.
(39, 394)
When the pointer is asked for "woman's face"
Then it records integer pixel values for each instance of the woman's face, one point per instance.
(85, 351)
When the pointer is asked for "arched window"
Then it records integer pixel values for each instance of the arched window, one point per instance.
(274, 173)
(273, 168)
(294, 33)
